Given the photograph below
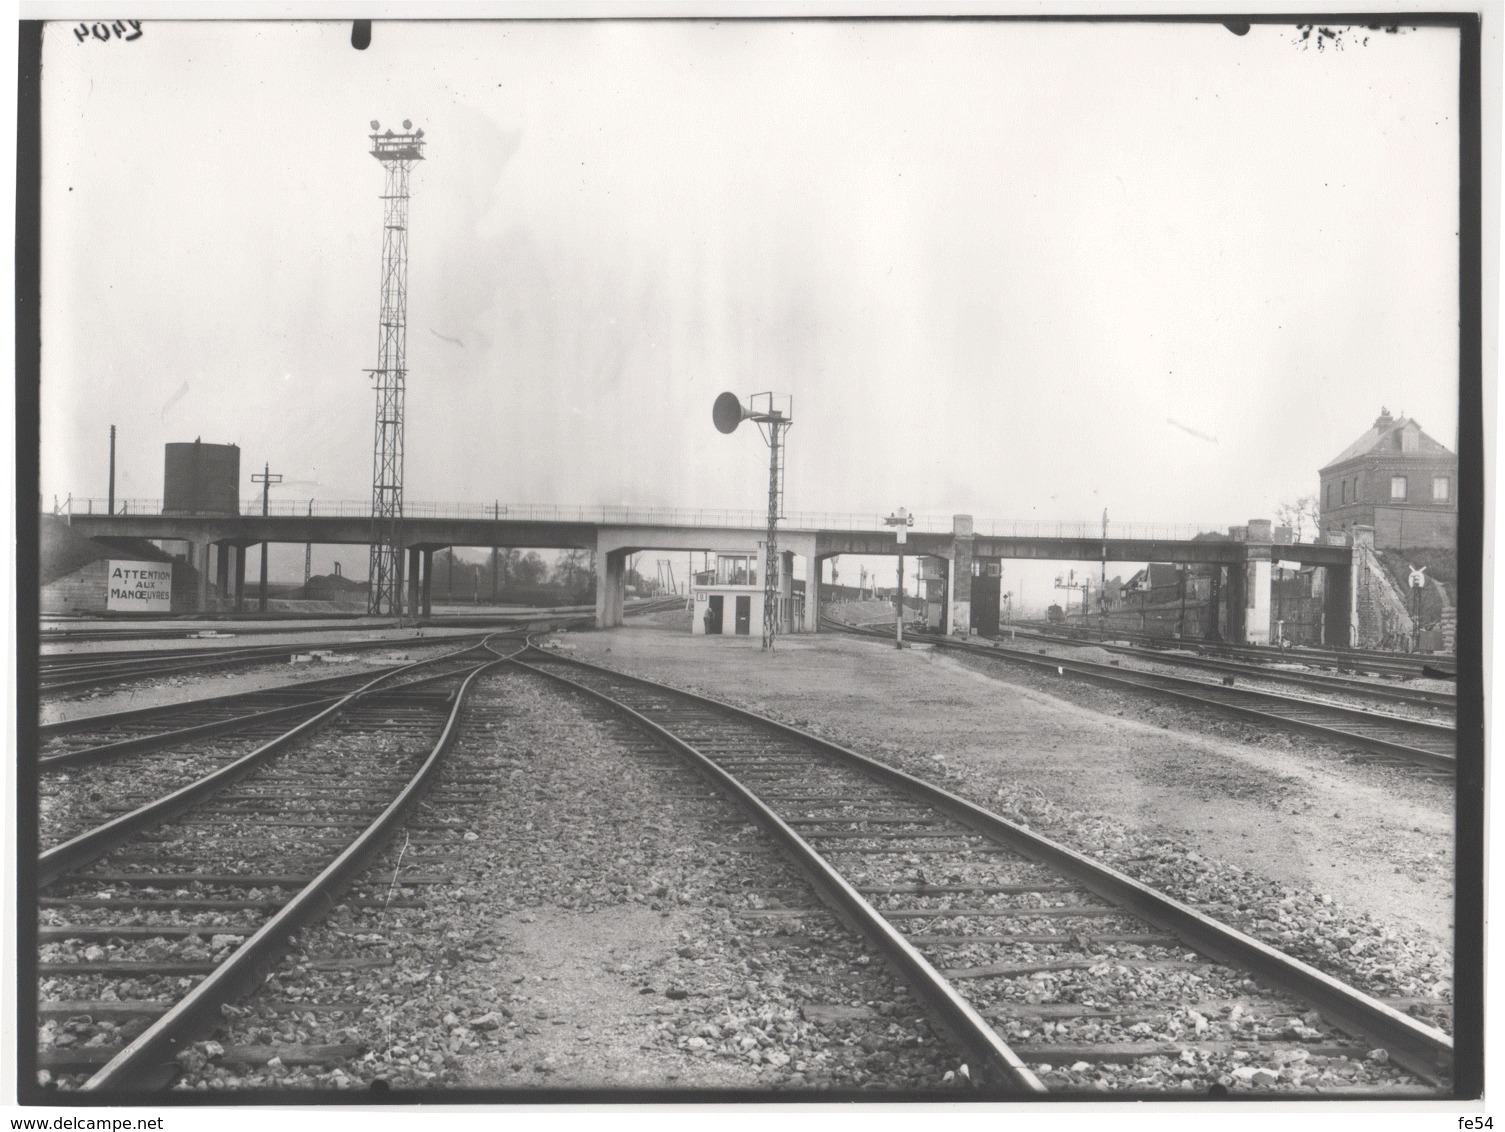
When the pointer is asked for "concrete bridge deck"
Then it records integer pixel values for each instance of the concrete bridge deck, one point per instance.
(614, 533)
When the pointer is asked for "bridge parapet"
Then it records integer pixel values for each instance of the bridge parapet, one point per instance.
(625, 515)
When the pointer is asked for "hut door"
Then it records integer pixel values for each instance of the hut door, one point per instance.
(744, 616)
(713, 614)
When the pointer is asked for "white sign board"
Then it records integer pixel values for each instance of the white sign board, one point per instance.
(139, 587)
(1418, 579)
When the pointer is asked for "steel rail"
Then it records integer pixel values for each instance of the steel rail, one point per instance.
(994, 1055)
(1447, 700)
(155, 1050)
(89, 845)
(1374, 660)
(135, 715)
(105, 751)
(209, 658)
(1422, 1049)
(1179, 688)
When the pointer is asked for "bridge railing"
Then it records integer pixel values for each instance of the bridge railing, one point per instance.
(671, 517)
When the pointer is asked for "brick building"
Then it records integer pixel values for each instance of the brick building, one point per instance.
(1396, 479)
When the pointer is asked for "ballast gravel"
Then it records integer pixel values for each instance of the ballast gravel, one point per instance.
(597, 919)
(1363, 891)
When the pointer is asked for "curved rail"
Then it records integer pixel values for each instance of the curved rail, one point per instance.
(268, 703)
(85, 847)
(62, 672)
(1422, 1049)
(156, 1048)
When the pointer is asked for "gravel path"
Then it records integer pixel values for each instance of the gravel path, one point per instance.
(606, 922)
(1340, 861)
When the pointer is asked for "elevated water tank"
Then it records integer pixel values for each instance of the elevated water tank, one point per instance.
(201, 479)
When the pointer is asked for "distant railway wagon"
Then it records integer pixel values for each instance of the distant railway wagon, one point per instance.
(1055, 614)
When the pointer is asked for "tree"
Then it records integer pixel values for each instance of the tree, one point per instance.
(572, 570)
(1301, 516)
(529, 569)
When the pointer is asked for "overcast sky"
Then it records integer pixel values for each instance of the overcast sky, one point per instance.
(1016, 270)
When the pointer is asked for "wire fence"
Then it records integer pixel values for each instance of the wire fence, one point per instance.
(678, 517)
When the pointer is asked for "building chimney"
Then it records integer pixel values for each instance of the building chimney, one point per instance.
(1384, 420)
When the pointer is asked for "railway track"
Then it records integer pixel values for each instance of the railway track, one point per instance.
(75, 672)
(1351, 660)
(247, 626)
(1432, 746)
(151, 920)
(86, 739)
(72, 672)
(1054, 971)
(1443, 701)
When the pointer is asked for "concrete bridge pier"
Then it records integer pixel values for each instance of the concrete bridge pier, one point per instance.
(611, 588)
(1257, 596)
(414, 558)
(428, 580)
(222, 552)
(814, 566)
(199, 553)
(786, 591)
(959, 578)
(240, 578)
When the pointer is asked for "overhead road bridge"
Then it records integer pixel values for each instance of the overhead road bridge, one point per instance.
(217, 546)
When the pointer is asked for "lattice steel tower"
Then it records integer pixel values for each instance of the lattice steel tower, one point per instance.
(397, 153)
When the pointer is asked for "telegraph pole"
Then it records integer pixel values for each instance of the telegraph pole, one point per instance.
(266, 480)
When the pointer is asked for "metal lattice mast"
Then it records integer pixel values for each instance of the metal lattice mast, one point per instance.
(727, 413)
(775, 507)
(397, 153)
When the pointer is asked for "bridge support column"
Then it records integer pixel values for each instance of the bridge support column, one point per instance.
(240, 577)
(611, 580)
(959, 583)
(415, 558)
(222, 575)
(428, 581)
(201, 563)
(786, 591)
(814, 564)
(1257, 596)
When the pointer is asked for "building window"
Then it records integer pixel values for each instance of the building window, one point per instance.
(1398, 489)
(1439, 489)
(1329, 494)
(736, 570)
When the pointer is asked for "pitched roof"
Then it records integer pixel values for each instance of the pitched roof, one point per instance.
(1384, 435)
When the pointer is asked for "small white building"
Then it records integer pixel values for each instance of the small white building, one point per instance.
(729, 598)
